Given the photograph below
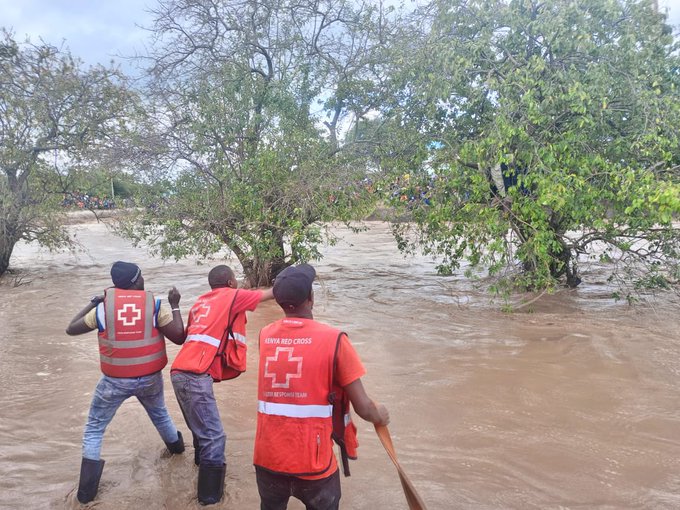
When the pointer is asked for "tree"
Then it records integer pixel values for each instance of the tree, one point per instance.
(248, 101)
(53, 119)
(546, 133)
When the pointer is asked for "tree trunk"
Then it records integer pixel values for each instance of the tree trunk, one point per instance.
(260, 271)
(6, 247)
(565, 264)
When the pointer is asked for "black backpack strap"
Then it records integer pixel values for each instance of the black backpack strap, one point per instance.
(338, 412)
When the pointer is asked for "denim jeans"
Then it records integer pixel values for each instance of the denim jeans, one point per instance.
(110, 393)
(275, 491)
(196, 399)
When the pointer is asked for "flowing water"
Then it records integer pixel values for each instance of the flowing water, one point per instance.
(571, 402)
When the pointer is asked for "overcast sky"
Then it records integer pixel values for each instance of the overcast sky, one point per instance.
(100, 30)
(96, 31)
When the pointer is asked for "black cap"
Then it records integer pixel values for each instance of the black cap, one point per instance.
(293, 285)
(124, 274)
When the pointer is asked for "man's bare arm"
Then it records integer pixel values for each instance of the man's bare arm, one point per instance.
(364, 406)
(77, 325)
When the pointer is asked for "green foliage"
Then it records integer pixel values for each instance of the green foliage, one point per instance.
(54, 120)
(250, 113)
(556, 138)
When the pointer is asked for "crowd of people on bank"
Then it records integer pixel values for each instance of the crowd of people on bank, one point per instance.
(79, 200)
(308, 375)
(404, 190)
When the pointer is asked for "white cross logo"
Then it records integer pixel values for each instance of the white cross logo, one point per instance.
(205, 310)
(129, 314)
(283, 367)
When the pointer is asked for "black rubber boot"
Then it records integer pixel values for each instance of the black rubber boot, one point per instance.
(211, 484)
(197, 450)
(177, 446)
(90, 473)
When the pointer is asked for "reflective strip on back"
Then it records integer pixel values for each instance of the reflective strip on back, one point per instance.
(140, 360)
(207, 339)
(150, 312)
(130, 344)
(111, 313)
(239, 337)
(294, 410)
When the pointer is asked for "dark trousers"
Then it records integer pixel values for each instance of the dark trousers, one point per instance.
(275, 491)
(196, 399)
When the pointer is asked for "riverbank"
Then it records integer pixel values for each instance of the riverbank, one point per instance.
(82, 216)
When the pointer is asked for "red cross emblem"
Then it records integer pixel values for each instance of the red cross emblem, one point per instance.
(129, 314)
(200, 312)
(282, 367)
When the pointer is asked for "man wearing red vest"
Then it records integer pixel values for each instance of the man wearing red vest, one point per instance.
(308, 374)
(215, 349)
(132, 325)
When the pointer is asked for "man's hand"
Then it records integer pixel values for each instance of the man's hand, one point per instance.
(383, 414)
(174, 331)
(173, 297)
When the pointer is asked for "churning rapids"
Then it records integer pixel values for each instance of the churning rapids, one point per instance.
(572, 402)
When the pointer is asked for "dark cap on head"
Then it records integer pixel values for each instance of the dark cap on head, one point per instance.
(124, 274)
(293, 285)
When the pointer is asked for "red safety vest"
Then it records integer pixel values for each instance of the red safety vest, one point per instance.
(295, 420)
(129, 343)
(216, 340)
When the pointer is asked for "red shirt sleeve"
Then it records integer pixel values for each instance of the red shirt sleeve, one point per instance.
(246, 300)
(349, 367)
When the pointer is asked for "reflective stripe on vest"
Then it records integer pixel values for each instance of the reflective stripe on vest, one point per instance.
(295, 410)
(239, 337)
(211, 340)
(123, 362)
(215, 342)
(129, 344)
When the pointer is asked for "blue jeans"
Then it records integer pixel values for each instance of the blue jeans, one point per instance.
(110, 393)
(196, 399)
(276, 489)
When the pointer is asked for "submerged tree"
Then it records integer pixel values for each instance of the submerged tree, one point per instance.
(248, 101)
(548, 132)
(53, 118)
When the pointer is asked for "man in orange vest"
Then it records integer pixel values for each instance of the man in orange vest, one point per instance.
(308, 374)
(215, 349)
(132, 325)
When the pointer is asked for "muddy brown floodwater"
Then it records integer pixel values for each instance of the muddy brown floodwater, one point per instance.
(572, 402)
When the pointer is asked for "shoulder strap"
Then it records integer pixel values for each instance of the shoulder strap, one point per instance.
(228, 332)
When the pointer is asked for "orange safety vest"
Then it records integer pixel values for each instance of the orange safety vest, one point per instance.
(216, 340)
(300, 410)
(130, 345)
